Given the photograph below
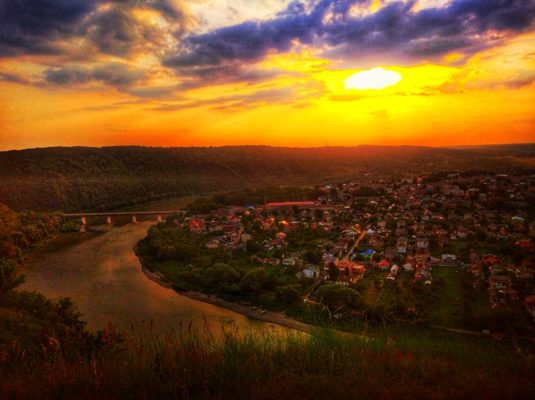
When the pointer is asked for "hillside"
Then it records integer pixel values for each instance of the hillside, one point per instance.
(83, 178)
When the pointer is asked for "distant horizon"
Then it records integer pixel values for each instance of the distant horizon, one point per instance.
(467, 146)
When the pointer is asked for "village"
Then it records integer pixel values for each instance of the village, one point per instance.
(422, 229)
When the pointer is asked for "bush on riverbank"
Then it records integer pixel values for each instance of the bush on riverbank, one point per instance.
(22, 232)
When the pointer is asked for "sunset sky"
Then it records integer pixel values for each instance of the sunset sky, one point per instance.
(218, 72)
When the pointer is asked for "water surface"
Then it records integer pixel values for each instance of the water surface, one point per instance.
(103, 277)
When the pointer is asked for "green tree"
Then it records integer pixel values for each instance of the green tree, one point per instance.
(252, 246)
(222, 276)
(9, 277)
(313, 256)
(254, 280)
(337, 296)
(288, 294)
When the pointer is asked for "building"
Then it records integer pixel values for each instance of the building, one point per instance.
(401, 245)
(291, 204)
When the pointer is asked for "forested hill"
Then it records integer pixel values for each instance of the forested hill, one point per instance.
(83, 178)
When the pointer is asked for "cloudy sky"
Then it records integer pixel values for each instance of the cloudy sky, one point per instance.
(218, 72)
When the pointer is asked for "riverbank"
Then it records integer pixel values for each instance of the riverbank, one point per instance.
(265, 316)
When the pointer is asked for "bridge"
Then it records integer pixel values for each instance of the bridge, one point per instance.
(109, 215)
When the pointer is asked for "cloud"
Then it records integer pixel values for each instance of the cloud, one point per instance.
(114, 74)
(232, 72)
(117, 31)
(42, 26)
(524, 79)
(291, 95)
(462, 25)
(33, 26)
(14, 78)
(238, 101)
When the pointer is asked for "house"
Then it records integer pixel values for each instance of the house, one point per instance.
(311, 271)
(393, 272)
(390, 253)
(499, 289)
(401, 245)
(449, 259)
(196, 225)
(383, 265)
(476, 269)
(340, 247)
(462, 233)
(245, 237)
(526, 244)
(213, 244)
(422, 242)
(491, 259)
(349, 271)
(408, 267)
(422, 271)
(289, 261)
(453, 190)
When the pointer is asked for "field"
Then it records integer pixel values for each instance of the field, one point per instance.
(446, 309)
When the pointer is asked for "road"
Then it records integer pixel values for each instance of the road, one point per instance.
(355, 245)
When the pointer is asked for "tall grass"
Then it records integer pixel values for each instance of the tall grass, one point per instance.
(231, 365)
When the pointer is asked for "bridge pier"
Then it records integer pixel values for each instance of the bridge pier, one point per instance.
(134, 219)
(159, 218)
(108, 220)
(83, 228)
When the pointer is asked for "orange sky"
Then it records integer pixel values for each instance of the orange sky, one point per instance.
(287, 96)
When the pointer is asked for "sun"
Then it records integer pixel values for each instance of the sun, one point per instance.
(375, 78)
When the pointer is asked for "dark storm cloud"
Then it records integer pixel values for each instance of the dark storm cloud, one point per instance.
(36, 26)
(32, 26)
(395, 27)
(114, 74)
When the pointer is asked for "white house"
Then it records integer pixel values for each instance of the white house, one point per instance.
(311, 271)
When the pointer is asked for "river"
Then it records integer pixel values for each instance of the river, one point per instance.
(103, 276)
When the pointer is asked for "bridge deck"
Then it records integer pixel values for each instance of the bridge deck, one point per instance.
(120, 213)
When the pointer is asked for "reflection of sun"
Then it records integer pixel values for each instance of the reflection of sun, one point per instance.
(376, 78)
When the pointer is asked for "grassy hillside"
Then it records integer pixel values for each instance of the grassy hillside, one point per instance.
(81, 178)
(320, 366)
